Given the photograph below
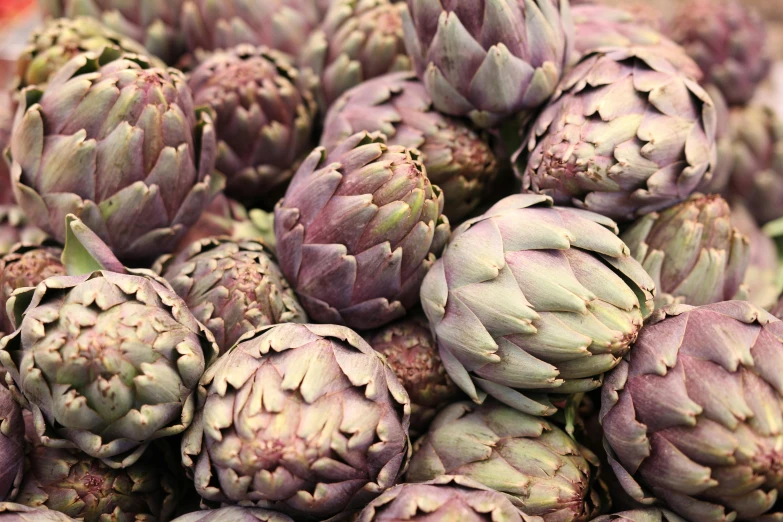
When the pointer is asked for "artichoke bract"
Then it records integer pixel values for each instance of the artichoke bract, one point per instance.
(358, 40)
(692, 251)
(234, 514)
(641, 515)
(263, 117)
(107, 361)
(729, 42)
(357, 231)
(116, 142)
(458, 159)
(489, 59)
(303, 419)
(413, 355)
(761, 277)
(533, 462)
(11, 445)
(693, 414)
(11, 512)
(444, 499)
(529, 299)
(16, 228)
(625, 135)
(231, 287)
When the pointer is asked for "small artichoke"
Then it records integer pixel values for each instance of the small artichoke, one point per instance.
(15, 228)
(641, 515)
(116, 142)
(444, 499)
(107, 361)
(761, 278)
(413, 355)
(692, 251)
(234, 514)
(542, 308)
(10, 512)
(728, 40)
(693, 414)
(459, 160)
(358, 40)
(231, 287)
(263, 118)
(11, 445)
(625, 135)
(358, 230)
(533, 462)
(303, 419)
(489, 59)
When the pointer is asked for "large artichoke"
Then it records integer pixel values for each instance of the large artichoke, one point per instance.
(728, 40)
(153, 23)
(359, 40)
(234, 514)
(626, 134)
(303, 419)
(641, 515)
(231, 287)
(11, 445)
(107, 361)
(444, 499)
(533, 462)
(10, 512)
(116, 142)
(692, 251)
(15, 228)
(544, 307)
(693, 414)
(358, 230)
(489, 59)
(263, 117)
(458, 160)
(413, 355)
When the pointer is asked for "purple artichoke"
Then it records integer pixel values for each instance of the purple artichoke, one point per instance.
(234, 514)
(7, 109)
(761, 278)
(641, 515)
(15, 228)
(11, 445)
(10, 512)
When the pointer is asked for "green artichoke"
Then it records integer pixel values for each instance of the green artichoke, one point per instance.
(234, 514)
(413, 355)
(692, 251)
(60, 39)
(693, 414)
(444, 499)
(10, 512)
(263, 117)
(15, 228)
(641, 515)
(116, 142)
(533, 462)
(625, 135)
(728, 40)
(303, 419)
(358, 230)
(153, 23)
(231, 287)
(458, 160)
(358, 40)
(547, 307)
(761, 278)
(11, 445)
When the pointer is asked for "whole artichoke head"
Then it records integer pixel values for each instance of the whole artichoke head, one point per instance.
(489, 59)
(11, 445)
(693, 414)
(116, 142)
(692, 251)
(263, 116)
(458, 159)
(542, 308)
(303, 419)
(625, 135)
(533, 462)
(444, 499)
(358, 230)
(12, 512)
(231, 287)
(234, 514)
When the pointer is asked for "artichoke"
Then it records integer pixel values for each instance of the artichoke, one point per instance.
(693, 414)
(359, 40)
(458, 160)
(234, 514)
(10, 512)
(728, 41)
(153, 23)
(542, 308)
(761, 278)
(7, 109)
(625, 135)
(489, 59)
(116, 142)
(533, 462)
(263, 118)
(411, 352)
(11, 445)
(15, 228)
(303, 419)
(724, 143)
(641, 515)
(444, 499)
(231, 287)
(692, 251)
(358, 230)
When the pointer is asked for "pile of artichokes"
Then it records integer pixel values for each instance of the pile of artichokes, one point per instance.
(391, 261)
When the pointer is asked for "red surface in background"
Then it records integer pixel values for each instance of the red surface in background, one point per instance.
(9, 9)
